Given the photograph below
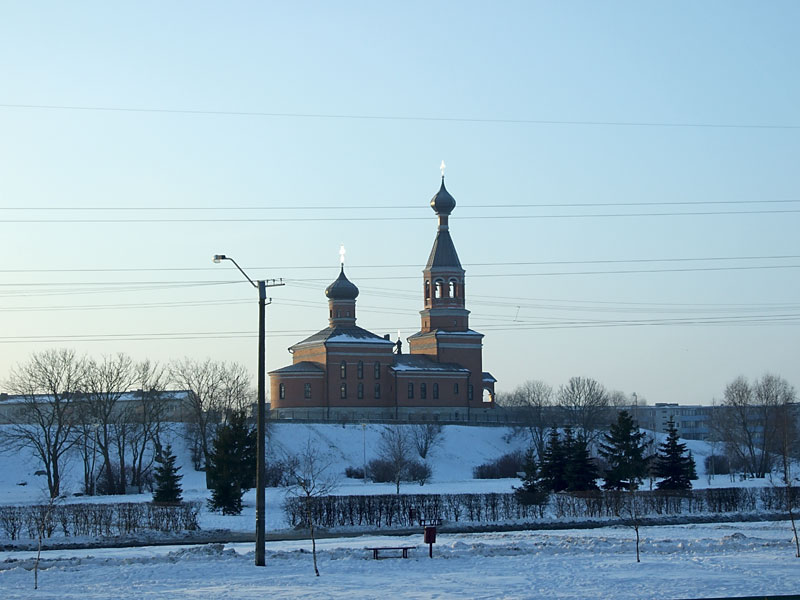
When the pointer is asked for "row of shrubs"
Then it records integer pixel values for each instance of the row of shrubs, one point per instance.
(97, 520)
(406, 510)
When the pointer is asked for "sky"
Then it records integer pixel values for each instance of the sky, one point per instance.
(625, 177)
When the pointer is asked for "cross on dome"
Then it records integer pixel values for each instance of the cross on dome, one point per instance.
(442, 168)
(342, 252)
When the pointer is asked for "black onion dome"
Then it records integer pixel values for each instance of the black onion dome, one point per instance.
(342, 289)
(443, 203)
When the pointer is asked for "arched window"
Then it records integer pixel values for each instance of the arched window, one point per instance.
(360, 391)
(282, 391)
(423, 391)
(360, 369)
(469, 392)
(435, 391)
(427, 289)
(377, 391)
(377, 370)
(455, 389)
(307, 391)
(438, 288)
(452, 288)
(410, 389)
(343, 391)
(343, 370)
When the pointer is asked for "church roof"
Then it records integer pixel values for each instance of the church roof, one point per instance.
(442, 202)
(350, 335)
(342, 288)
(300, 367)
(420, 362)
(443, 253)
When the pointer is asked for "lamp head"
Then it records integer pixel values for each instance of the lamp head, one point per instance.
(218, 258)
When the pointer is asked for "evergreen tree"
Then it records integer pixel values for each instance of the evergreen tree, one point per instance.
(624, 449)
(232, 464)
(580, 473)
(554, 463)
(673, 463)
(168, 482)
(534, 489)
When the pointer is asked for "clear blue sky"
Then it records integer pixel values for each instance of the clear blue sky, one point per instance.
(679, 102)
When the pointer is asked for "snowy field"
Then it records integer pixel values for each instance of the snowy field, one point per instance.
(691, 561)
(698, 561)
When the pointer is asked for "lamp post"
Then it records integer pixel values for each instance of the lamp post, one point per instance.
(262, 286)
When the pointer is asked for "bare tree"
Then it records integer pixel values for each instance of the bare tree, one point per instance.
(394, 447)
(584, 403)
(786, 446)
(107, 380)
(150, 411)
(214, 389)
(50, 384)
(533, 401)
(749, 418)
(426, 437)
(310, 476)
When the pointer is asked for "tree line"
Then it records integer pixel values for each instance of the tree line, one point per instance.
(74, 404)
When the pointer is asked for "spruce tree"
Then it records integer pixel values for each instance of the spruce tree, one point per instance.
(232, 464)
(673, 463)
(581, 472)
(554, 463)
(168, 482)
(624, 449)
(534, 490)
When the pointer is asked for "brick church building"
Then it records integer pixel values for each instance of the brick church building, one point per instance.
(344, 372)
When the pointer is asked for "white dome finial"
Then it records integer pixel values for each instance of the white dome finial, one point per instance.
(442, 168)
(341, 254)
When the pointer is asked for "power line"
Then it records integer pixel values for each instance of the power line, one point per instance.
(414, 266)
(372, 207)
(401, 118)
(373, 219)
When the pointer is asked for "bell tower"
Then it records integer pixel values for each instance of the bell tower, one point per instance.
(444, 334)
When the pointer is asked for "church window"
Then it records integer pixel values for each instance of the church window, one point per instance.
(377, 391)
(438, 288)
(360, 369)
(282, 391)
(343, 391)
(307, 391)
(338, 314)
(343, 370)
(377, 370)
(469, 392)
(427, 289)
(360, 391)
(452, 288)
(410, 389)
(423, 391)
(455, 389)
(435, 391)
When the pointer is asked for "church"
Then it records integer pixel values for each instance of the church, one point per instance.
(346, 373)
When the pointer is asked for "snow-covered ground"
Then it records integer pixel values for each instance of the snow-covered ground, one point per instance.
(697, 561)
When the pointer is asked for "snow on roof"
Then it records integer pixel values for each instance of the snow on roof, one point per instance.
(416, 362)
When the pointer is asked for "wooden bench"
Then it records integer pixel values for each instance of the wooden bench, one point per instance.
(377, 549)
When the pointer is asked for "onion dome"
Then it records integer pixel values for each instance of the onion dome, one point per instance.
(443, 203)
(342, 288)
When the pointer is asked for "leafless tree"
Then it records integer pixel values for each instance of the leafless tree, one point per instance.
(749, 418)
(310, 476)
(50, 384)
(107, 380)
(214, 389)
(787, 447)
(426, 437)
(584, 403)
(150, 408)
(533, 401)
(395, 448)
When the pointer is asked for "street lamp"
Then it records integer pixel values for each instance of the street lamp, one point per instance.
(262, 286)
